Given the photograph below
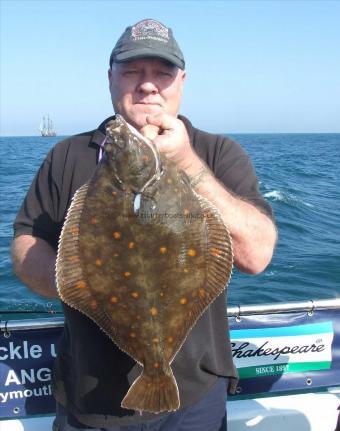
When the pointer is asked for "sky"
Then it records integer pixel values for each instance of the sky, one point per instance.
(252, 66)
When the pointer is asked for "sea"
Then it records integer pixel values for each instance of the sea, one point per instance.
(299, 175)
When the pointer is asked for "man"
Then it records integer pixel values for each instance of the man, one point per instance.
(91, 376)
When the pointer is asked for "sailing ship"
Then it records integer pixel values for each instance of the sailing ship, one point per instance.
(46, 127)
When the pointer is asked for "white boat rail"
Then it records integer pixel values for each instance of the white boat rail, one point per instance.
(288, 307)
(38, 323)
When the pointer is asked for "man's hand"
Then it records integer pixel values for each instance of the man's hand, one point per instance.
(173, 141)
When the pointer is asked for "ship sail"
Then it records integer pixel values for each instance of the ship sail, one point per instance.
(46, 127)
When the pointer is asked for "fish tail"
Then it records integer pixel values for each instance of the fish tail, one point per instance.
(157, 394)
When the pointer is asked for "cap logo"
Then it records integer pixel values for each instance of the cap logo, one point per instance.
(150, 29)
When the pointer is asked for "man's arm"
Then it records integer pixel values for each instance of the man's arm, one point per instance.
(34, 263)
(253, 233)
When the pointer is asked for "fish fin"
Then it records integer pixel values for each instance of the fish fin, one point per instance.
(219, 261)
(68, 269)
(154, 395)
(69, 275)
(219, 251)
(71, 285)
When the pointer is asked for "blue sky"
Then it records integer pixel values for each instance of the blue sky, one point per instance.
(252, 66)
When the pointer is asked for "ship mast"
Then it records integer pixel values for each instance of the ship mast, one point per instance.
(46, 127)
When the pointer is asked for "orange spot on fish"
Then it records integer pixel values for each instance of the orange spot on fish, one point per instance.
(127, 274)
(161, 294)
(74, 258)
(170, 339)
(191, 252)
(135, 295)
(156, 365)
(163, 250)
(116, 255)
(74, 230)
(132, 334)
(146, 158)
(114, 299)
(186, 212)
(117, 235)
(185, 270)
(155, 340)
(169, 181)
(114, 193)
(94, 220)
(93, 304)
(131, 245)
(183, 301)
(99, 262)
(202, 293)
(153, 311)
(81, 284)
(215, 251)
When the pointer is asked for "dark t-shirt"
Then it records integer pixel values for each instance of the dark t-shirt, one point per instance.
(91, 374)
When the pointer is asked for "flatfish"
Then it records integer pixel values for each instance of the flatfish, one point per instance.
(142, 255)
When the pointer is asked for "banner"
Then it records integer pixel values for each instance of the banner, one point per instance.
(286, 352)
(273, 353)
(26, 360)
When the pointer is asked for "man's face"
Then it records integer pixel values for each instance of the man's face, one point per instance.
(146, 86)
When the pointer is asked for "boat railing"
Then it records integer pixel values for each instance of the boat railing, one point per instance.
(288, 307)
(235, 311)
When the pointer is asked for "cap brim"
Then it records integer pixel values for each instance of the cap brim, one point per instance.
(142, 53)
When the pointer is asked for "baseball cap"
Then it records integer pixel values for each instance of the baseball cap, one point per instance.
(147, 38)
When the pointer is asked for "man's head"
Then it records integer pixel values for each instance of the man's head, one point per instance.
(146, 73)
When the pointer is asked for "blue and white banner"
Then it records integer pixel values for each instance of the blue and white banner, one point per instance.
(273, 353)
(26, 360)
(288, 349)
(286, 352)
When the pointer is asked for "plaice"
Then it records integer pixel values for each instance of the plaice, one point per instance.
(143, 256)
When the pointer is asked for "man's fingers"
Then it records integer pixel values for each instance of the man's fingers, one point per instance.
(150, 131)
(163, 121)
